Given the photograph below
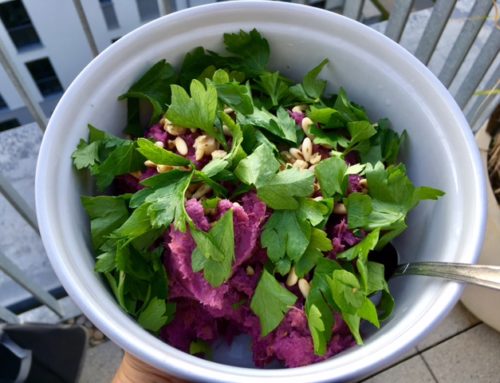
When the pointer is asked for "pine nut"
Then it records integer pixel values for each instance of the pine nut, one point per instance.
(315, 158)
(136, 174)
(340, 208)
(150, 164)
(159, 144)
(181, 146)
(249, 270)
(296, 153)
(363, 182)
(193, 130)
(299, 108)
(307, 148)
(311, 168)
(306, 124)
(174, 130)
(202, 190)
(218, 154)
(198, 154)
(292, 278)
(286, 156)
(226, 130)
(319, 198)
(163, 168)
(300, 164)
(304, 287)
(170, 144)
(228, 110)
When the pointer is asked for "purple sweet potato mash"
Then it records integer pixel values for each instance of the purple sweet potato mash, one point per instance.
(208, 313)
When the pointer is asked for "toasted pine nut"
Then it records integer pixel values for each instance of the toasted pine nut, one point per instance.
(171, 144)
(304, 287)
(249, 270)
(306, 124)
(174, 130)
(150, 164)
(228, 110)
(363, 182)
(315, 158)
(163, 168)
(181, 146)
(319, 198)
(292, 278)
(159, 144)
(202, 190)
(311, 168)
(296, 153)
(339, 208)
(218, 154)
(307, 148)
(299, 108)
(198, 154)
(193, 130)
(300, 164)
(136, 174)
(226, 130)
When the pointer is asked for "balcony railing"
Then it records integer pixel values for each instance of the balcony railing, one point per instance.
(462, 74)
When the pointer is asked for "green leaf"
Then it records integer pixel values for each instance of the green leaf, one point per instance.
(311, 88)
(217, 247)
(284, 235)
(251, 47)
(258, 166)
(85, 154)
(331, 176)
(136, 225)
(105, 262)
(348, 110)
(154, 316)
(106, 214)
(236, 96)
(166, 204)
(197, 111)
(274, 86)
(271, 302)
(353, 322)
(159, 155)
(200, 347)
(361, 249)
(383, 146)
(279, 191)
(360, 131)
(153, 87)
(315, 212)
(122, 160)
(346, 291)
(317, 327)
(328, 117)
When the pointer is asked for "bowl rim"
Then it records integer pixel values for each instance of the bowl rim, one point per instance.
(185, 365)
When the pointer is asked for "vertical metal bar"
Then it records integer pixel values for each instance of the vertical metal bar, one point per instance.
(8, 316)
(353, 8)
(169, 6)
(434, 29)
(16, 200)
(398, 18)
(483, 104)
(17, 80)
(479, 68)
(464, 41)
(86, 26)
(34, 288)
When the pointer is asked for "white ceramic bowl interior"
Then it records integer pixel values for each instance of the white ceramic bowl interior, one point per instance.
(376, 73)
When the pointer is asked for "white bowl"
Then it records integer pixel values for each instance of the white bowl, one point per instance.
(376, 72)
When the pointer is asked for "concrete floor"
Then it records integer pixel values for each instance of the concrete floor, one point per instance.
(460, 350)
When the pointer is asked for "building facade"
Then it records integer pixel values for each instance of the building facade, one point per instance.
(47, 44)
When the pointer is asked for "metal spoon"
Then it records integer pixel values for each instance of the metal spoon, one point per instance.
(482, 275)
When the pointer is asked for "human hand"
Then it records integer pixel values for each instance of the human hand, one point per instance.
(133, 370)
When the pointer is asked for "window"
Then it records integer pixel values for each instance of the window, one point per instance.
(44, 76)
(3, 104)
(18, 24)
(108, 10)
(9, 124)
(148, 9)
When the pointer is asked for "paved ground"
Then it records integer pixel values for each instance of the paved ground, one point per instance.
(460, 350)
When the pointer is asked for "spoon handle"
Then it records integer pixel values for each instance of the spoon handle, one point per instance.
(488, 276)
